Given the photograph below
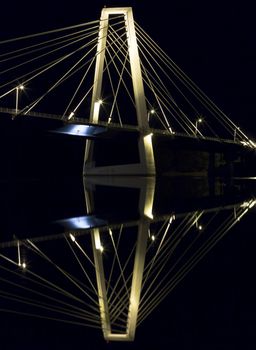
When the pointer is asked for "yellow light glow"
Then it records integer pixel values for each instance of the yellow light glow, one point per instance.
(172, 218)
(200, 227)
(153, 237)
(72, 237)
(98, 244)
(147, 138)
(100, 248)
(252, 143)
(21, 87)
(148, 206)
(23, 265)
(71, 115)
(252, 204)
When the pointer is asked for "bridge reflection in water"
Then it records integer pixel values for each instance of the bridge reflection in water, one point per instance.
(110, 268)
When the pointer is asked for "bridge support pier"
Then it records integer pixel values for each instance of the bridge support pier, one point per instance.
(146, 166)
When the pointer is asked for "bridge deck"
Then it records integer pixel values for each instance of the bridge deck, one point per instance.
(113, 126)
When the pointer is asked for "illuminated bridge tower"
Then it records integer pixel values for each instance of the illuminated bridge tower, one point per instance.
(146, 164)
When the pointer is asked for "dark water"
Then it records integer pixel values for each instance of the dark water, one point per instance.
(198, 288)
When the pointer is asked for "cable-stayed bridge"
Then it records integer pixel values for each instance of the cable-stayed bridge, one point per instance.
(106, 80)
(110, 73)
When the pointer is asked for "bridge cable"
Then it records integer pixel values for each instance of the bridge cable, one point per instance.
(198, 91)
(81, 266)
(63, 272)
(167, 92)
(46, 54)
(45, 45)
(58, 82)
(47, 285)
(198, 256)
(47, 32)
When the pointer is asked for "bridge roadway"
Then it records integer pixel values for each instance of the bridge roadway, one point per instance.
(175, 153)
(102, 127)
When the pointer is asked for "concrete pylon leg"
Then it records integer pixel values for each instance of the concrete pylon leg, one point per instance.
(146, 166)
(145, 206)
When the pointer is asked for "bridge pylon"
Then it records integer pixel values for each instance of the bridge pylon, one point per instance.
(108, 306)
(146, 164)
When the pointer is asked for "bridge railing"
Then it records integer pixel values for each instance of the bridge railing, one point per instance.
(76, 120)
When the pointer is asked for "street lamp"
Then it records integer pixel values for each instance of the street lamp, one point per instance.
(198, 121)
(18, 88)
(152, 111)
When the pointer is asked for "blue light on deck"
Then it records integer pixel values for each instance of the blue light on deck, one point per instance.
(81, 130)
(82, 222)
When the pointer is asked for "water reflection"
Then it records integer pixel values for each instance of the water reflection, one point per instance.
(110, 268)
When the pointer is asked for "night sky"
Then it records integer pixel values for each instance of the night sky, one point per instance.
(214, 43)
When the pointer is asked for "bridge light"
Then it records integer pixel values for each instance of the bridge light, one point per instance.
(72, 237)
(98, 244)
(96, 110)
(252, 204)
(198, 226)
(71, 115)
(171, 131)
(18, 247)
(152, 111)
(198, 121)
(252, 143)
(24, 265)
(172, 218)
(19, 87)
(100, 248)
(153, 237)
